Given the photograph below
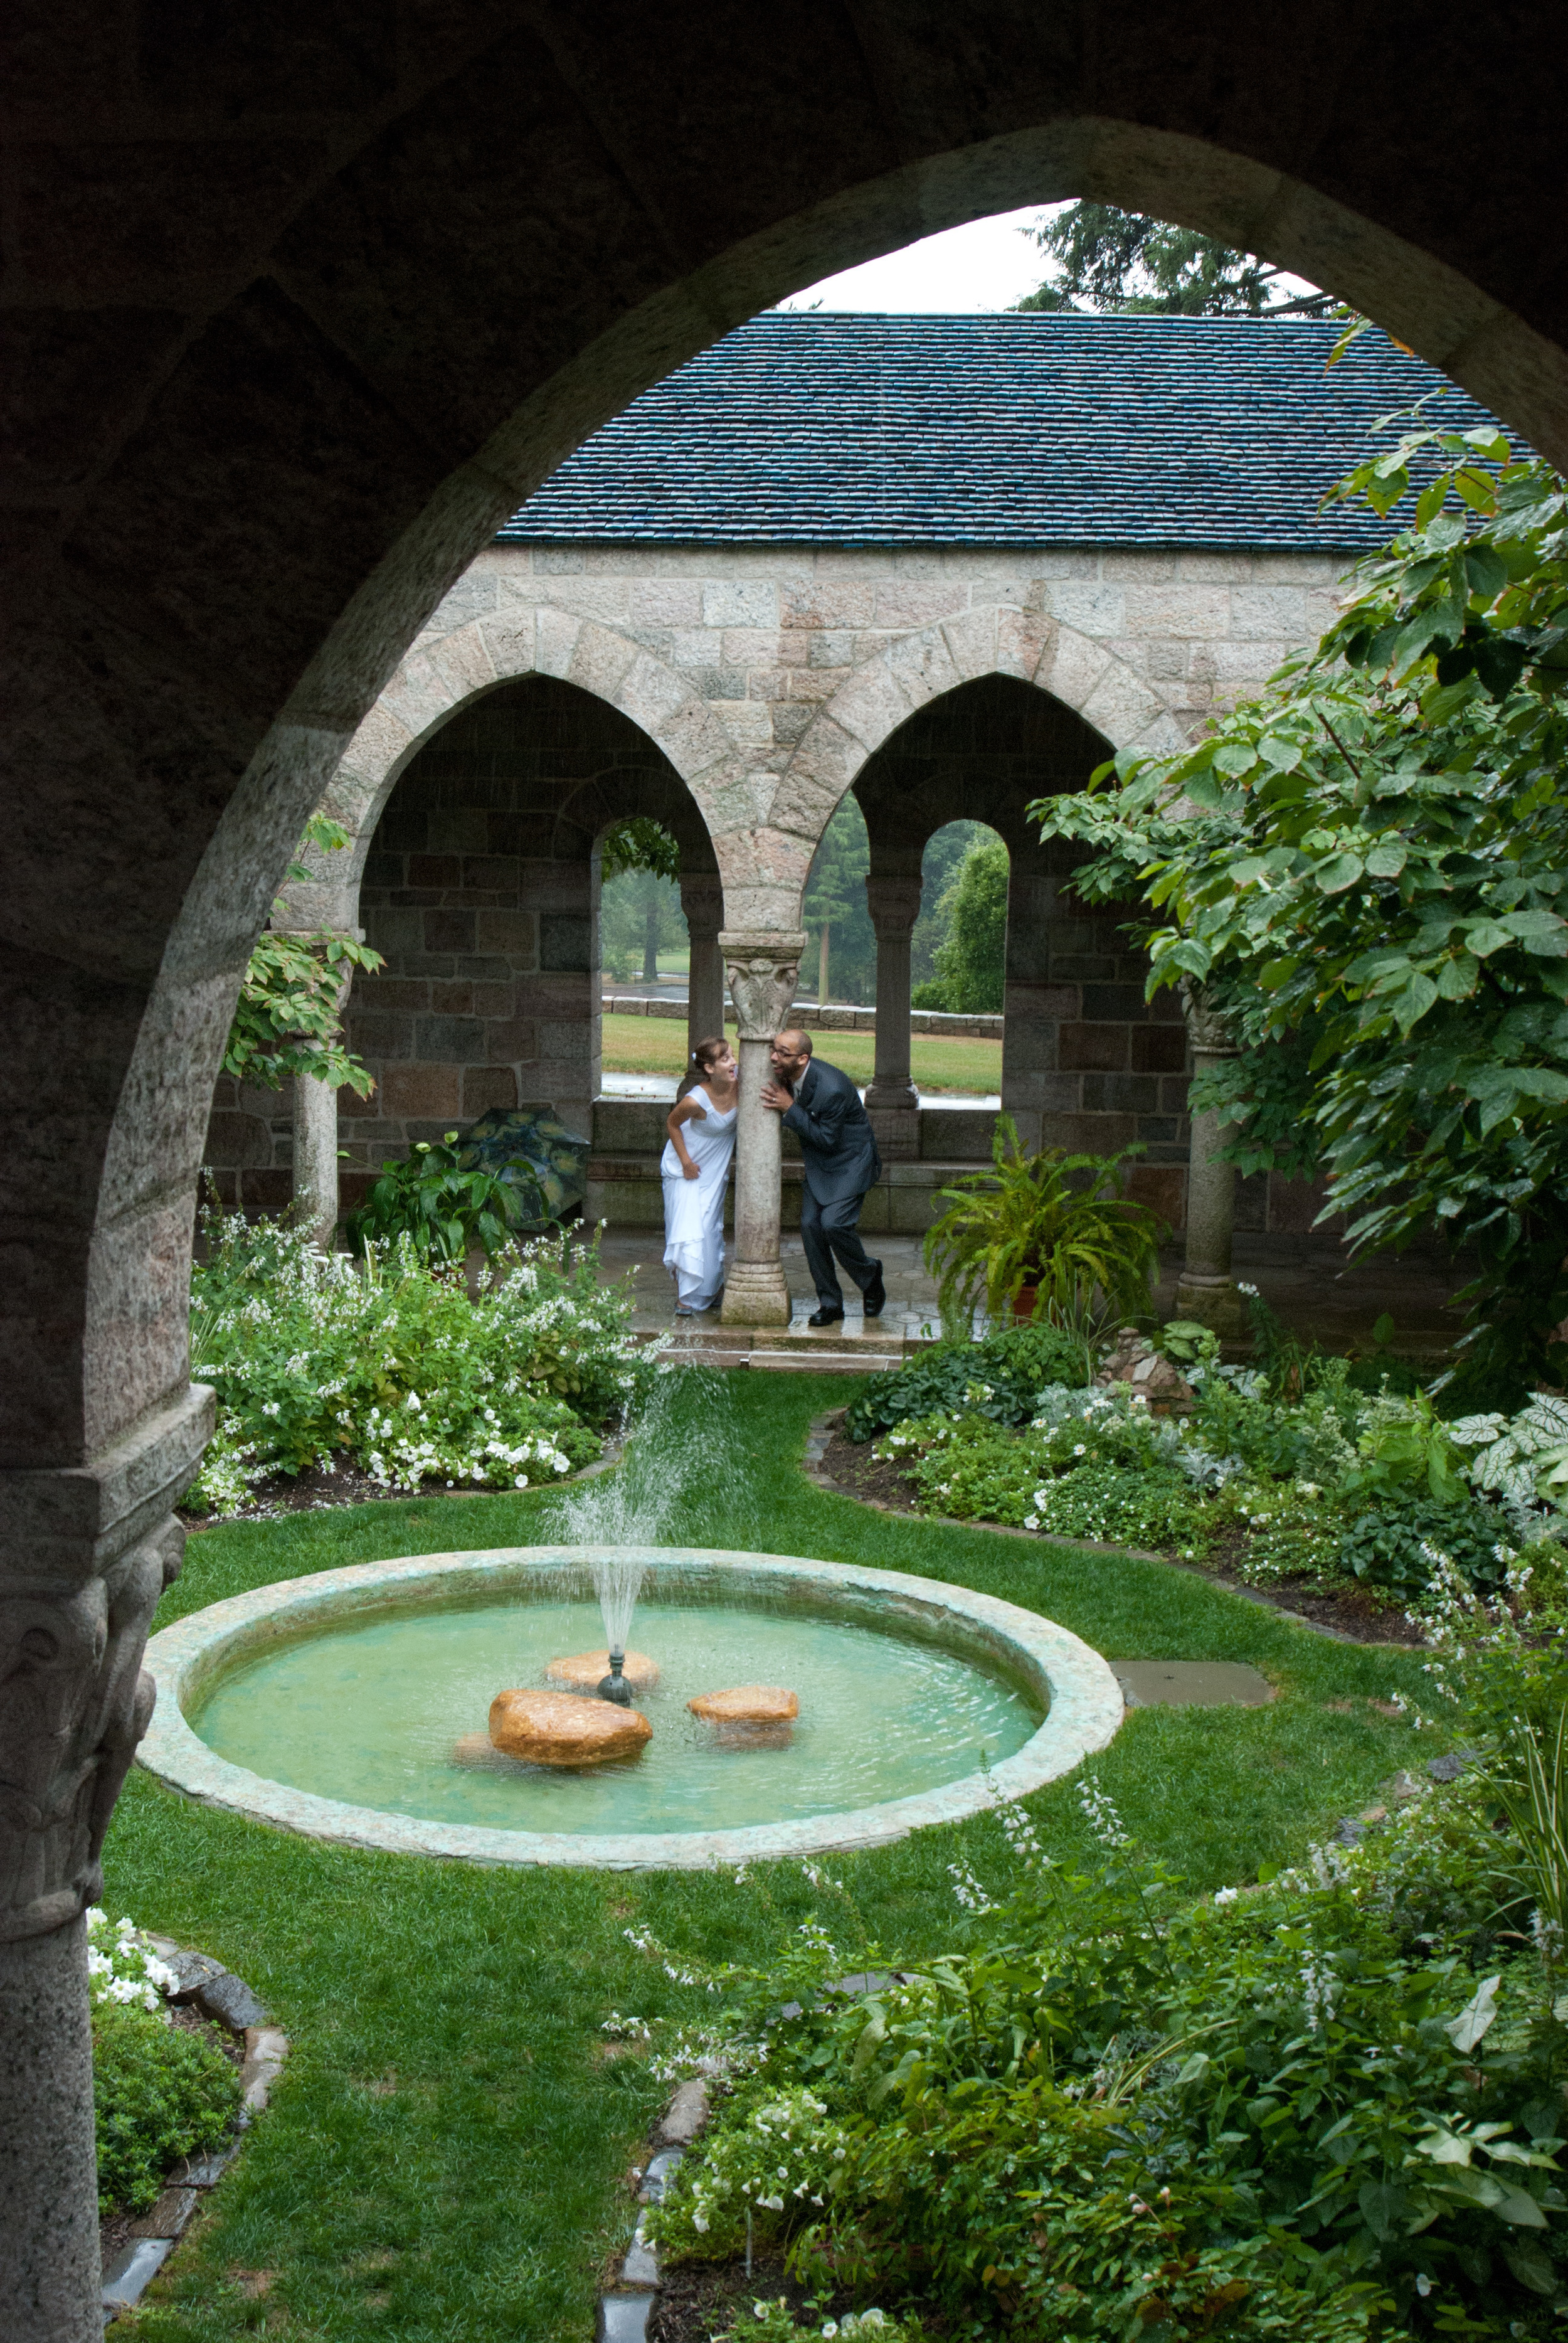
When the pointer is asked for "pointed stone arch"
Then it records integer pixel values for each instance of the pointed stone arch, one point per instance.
(446, 671)
(916, 668)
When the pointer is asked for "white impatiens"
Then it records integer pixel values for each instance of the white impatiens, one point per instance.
(122, 1965)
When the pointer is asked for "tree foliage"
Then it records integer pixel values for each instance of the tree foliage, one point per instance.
(970, 960)
(287, 1021)
(1105, 258)
(1366, 869)
(835, 897)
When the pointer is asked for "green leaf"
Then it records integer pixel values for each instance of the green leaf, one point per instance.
(1485, 936)
(1235, 758)
(1388, 858)
(1341, 871)
(1457, 978)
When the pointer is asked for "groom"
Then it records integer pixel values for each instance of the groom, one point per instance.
(822, 1107)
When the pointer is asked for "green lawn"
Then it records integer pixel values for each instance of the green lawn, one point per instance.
(656, 1045)
(441, 2164)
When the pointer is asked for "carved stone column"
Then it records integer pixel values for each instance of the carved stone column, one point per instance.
(702, 902)
(1206, 1290)
(85, 1552)
(892, 1101)
(763, 970)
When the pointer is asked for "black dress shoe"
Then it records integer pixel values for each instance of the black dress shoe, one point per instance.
(824, 1317)
(876, 1295)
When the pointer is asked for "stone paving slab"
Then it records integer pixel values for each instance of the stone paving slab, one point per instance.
(1192, 1684)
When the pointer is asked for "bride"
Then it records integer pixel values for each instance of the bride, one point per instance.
(695, 1167)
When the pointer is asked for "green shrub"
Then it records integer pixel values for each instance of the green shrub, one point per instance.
(159, 2092)
(435, 1202)
(999, 1378)
(1390, 1544)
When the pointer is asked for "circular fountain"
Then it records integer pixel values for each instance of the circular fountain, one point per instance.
(352, 1706)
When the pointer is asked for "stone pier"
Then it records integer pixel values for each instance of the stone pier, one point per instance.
(1207, 1290)
(893, 1101)
(763, 970)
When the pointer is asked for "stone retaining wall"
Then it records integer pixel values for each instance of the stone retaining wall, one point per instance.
(810, 1018)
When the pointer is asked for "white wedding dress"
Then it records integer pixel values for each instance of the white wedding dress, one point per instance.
(694, 1209)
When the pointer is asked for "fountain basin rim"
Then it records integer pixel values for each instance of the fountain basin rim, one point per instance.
(1085, 1699)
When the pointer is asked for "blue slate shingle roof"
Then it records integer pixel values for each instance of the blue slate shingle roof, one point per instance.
(853, 429)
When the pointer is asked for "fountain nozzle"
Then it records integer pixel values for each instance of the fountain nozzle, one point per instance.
(615, 1686)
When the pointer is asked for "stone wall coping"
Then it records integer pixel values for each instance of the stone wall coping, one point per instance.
(1085, 1700)
(808, 1018)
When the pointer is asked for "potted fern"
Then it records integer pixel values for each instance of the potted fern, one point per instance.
(1043, 1234)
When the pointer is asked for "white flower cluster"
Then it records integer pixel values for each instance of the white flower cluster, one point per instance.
(1101, 1816)
(122, 1967)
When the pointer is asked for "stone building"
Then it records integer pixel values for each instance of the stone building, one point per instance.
(952, 564)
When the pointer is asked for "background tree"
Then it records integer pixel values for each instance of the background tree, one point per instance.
(943, 854)
(1368, 869)
(288, 1018)
(1101, 258)
(836, 917)
(973, 908)
(639, 899)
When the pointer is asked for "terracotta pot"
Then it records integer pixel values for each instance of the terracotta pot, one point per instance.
(1024, 1301)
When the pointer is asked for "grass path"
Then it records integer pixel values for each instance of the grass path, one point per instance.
(442, 2162)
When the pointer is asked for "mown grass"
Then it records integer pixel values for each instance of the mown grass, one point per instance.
(656, 1045)
(443, 2160)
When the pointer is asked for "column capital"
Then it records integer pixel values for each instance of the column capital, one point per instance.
(893, 904)
(763, 968)
(87, 1551)
(1207, 1028)
(702, 900)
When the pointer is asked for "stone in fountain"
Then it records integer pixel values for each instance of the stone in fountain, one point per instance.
(747, 1705)
(562, 1728)
(584, 1671)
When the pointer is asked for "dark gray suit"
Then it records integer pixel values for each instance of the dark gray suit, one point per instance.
(839, 1149)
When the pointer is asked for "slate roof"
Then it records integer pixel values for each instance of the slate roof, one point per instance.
(807, 429)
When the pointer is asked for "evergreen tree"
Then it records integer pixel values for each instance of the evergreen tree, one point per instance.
(639, 901)
(1102, 258)
(943, 854)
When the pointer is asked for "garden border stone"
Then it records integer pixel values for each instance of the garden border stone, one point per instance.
(1084, 1712)
(204, 1985)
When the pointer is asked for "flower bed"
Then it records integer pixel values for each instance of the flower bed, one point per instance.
(160, 2091)
(1289, 1474)
(1326, 2107)
(388, 1365)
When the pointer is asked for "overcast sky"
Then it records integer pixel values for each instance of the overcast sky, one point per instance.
(988, 264)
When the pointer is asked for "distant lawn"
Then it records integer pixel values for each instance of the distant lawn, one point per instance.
(656, 1045)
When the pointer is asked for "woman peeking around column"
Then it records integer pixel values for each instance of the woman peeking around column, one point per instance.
(695, 1167)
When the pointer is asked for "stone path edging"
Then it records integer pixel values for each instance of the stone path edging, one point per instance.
(821, 1431)
(623, 2312)
(207, 1985)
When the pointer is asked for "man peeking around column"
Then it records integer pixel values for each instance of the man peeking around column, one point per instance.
(822, 1107)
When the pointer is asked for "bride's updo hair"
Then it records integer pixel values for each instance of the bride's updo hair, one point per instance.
(698, 1065)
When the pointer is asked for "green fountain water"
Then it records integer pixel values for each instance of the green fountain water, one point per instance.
(370, 1712)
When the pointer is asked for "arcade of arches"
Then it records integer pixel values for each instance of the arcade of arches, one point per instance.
(303, 304)
(734, 693)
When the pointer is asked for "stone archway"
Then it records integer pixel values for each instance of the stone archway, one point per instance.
(306, 312)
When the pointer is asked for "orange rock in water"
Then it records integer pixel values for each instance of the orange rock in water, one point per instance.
(586, 1671)
(747, 1705)
(563, 1728)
